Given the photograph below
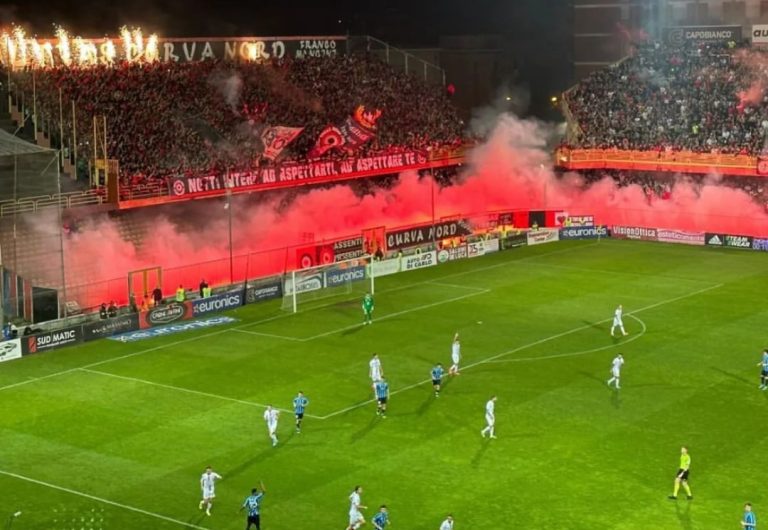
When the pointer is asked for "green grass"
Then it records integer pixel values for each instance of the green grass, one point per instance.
(570, 454)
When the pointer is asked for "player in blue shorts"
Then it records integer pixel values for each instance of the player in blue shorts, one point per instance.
(300, 402)
(381, 387)
(437, 378)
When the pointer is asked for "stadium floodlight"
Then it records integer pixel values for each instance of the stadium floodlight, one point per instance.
(342, 280)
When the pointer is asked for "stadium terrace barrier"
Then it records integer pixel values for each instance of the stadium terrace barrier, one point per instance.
(672, 161)
(64, 200)
(290, 175)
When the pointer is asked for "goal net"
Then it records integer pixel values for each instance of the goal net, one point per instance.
(334, 283)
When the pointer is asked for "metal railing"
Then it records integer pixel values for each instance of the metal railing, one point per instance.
(40, 202)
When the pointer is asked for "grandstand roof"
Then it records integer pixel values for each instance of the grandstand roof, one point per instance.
(11, 145)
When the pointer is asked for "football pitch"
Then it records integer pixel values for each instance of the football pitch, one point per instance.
(112, 435)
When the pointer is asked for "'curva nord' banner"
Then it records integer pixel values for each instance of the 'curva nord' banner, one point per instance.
(315, 171)
(420, 235)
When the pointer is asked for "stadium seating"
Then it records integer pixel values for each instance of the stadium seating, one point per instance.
(702, 98)
(184, 118)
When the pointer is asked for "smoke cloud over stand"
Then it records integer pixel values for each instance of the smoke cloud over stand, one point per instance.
(511, 170)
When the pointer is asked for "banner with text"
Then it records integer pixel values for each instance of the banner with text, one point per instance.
(51, 340)
(111, 326)
(452, 254)
(683, 35)
(346, 249)
(728, 240)
(264, 291)
(584, 232)
(420, 235)
(385, 267)
(305, 173)
(10, 350)
(634, 232)
(165, 314)
(760, 33)
(419, 261)
(217, 302)
(543, 235)
(680, 236)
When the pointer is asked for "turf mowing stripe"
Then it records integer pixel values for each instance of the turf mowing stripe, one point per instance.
(268, 335)
(102, 500)
(526, 346)
(277, 317)
(187, 390)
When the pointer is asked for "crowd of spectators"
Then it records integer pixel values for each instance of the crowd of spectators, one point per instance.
(166, 119)
(701, 97)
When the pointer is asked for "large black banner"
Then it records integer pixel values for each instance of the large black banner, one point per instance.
(250, 48)
(111, 326)
(318, 171)
(727, 240)
(51, 340)
(420, 235)
(262, 292)
(694, 34)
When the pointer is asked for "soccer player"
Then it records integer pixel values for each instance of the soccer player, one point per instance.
(448, 523)
(270, 416)
(356, 519)
(368, 309)
(617, 321)
(253, 504)
(374, 369)
(764, 372)
(616, 365)
(455, 355)
(749, 521)
(682, 474)
(490, 418)
(437, 378)
(381, 388)
(208, 485)
(381, 519)
(300, 402)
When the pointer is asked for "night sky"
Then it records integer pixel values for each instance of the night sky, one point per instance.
(537, 30)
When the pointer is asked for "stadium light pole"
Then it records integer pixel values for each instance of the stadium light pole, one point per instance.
(229, 210)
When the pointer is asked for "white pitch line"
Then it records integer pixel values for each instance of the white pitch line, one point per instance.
(268, 335)
(633, 338)
(458, 286)
(186, 390)
(529, 345)
(102, 500)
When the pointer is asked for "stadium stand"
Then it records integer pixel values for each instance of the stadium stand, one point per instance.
(186, 118)
(705, 98)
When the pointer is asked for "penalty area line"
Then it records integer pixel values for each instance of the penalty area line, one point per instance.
(101, 500)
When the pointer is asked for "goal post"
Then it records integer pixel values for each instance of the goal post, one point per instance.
(342, 280)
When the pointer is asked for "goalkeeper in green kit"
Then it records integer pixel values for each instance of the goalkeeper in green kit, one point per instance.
(367, 309)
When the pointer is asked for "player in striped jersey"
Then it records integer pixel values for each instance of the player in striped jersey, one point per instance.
(437, 378)
(300, 402)
(208, 485)
(381, 519)
(749, 521)
(253, 504)
(382, 396)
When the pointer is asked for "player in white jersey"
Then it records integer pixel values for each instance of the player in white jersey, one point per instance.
(616, 365)
(356, 519)
(617, 321)
(490, 418)
(374, 369)
(208, 485)
(455, 355)
(270, 416)
(448, 523)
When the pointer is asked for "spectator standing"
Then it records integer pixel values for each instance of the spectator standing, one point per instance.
(181, 295)
(157, 296)
(203, 287)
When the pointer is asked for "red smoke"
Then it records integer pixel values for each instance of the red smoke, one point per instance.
(512, 170)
